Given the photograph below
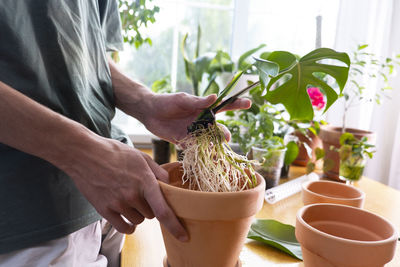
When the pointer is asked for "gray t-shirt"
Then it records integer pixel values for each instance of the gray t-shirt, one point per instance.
(53, 51)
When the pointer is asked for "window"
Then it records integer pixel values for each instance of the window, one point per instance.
(231, 25)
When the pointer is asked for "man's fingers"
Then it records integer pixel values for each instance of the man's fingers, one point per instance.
(119, 223)
(240, 103)
(159, 172)
(133, 216)
(164, 213)
(139, 205)
(205, 102)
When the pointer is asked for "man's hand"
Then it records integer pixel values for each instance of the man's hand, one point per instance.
(119, 180)
(169, 115)
(165, 115)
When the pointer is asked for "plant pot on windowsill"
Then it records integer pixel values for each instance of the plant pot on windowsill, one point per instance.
(330, 136)
(217, 223)
(161, 151)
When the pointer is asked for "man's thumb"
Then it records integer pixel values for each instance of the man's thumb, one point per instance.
(205, 102)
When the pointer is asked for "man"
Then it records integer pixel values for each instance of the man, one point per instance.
(63, 166)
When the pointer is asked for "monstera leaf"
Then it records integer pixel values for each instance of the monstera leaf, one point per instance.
(266, 70)
(289, 87)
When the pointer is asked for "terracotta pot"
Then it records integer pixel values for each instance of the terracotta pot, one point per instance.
(313, 142)
(330, 136)
(332, 192)
(161, 151)
(217, 223)
(334, 235)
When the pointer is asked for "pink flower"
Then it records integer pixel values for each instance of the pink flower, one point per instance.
(317, 98)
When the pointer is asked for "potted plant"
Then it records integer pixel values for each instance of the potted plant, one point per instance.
(362, 64)
(353, 153)
(307, 132)
(213, 181)
(271, 155)
(162, 149)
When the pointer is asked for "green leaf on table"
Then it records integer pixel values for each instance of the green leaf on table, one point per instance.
(276, 234)
(289, 87)
(292, 150)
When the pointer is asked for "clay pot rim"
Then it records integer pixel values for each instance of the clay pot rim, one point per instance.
(331, 128)
(260, 183)
(390, 239)
(344, 186)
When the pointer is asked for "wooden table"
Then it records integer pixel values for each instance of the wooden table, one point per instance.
(145, 247)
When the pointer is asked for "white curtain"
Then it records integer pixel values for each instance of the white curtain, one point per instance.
(377, 23)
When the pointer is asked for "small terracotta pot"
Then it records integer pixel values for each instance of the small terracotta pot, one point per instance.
(330, 136)
(332, 192)
(217, 223)
(334, 235)
(302, 157)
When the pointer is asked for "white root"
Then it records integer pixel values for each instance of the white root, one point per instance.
(210, 165)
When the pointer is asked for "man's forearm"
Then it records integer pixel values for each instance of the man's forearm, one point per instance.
(130, 96)
(33, 128)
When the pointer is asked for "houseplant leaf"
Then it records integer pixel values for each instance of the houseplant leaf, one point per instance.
(292, 93)
(194, 69)
(266, 70)
(276, 234)
(282, 58)
(242, 63)
(212, 87)
(227, 89)
(292, 150)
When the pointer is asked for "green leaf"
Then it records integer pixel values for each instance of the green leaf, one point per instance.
(242, 64)
(212, 87)
(345, 137)
(162, 86)
(292, 150)
(312, 130)
(265, 70)
(292, 93)
(276, 234)
(201, 64)
(227, 89)
(282, 58)
(256, 95)
(221, 63)
(310, 167)
(328, 165)
(319, 153)
(360, 47)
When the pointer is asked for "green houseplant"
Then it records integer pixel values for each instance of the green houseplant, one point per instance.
(297, 75)
(353, 153)
(363, 64)
(206, 151)
(135, 14)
